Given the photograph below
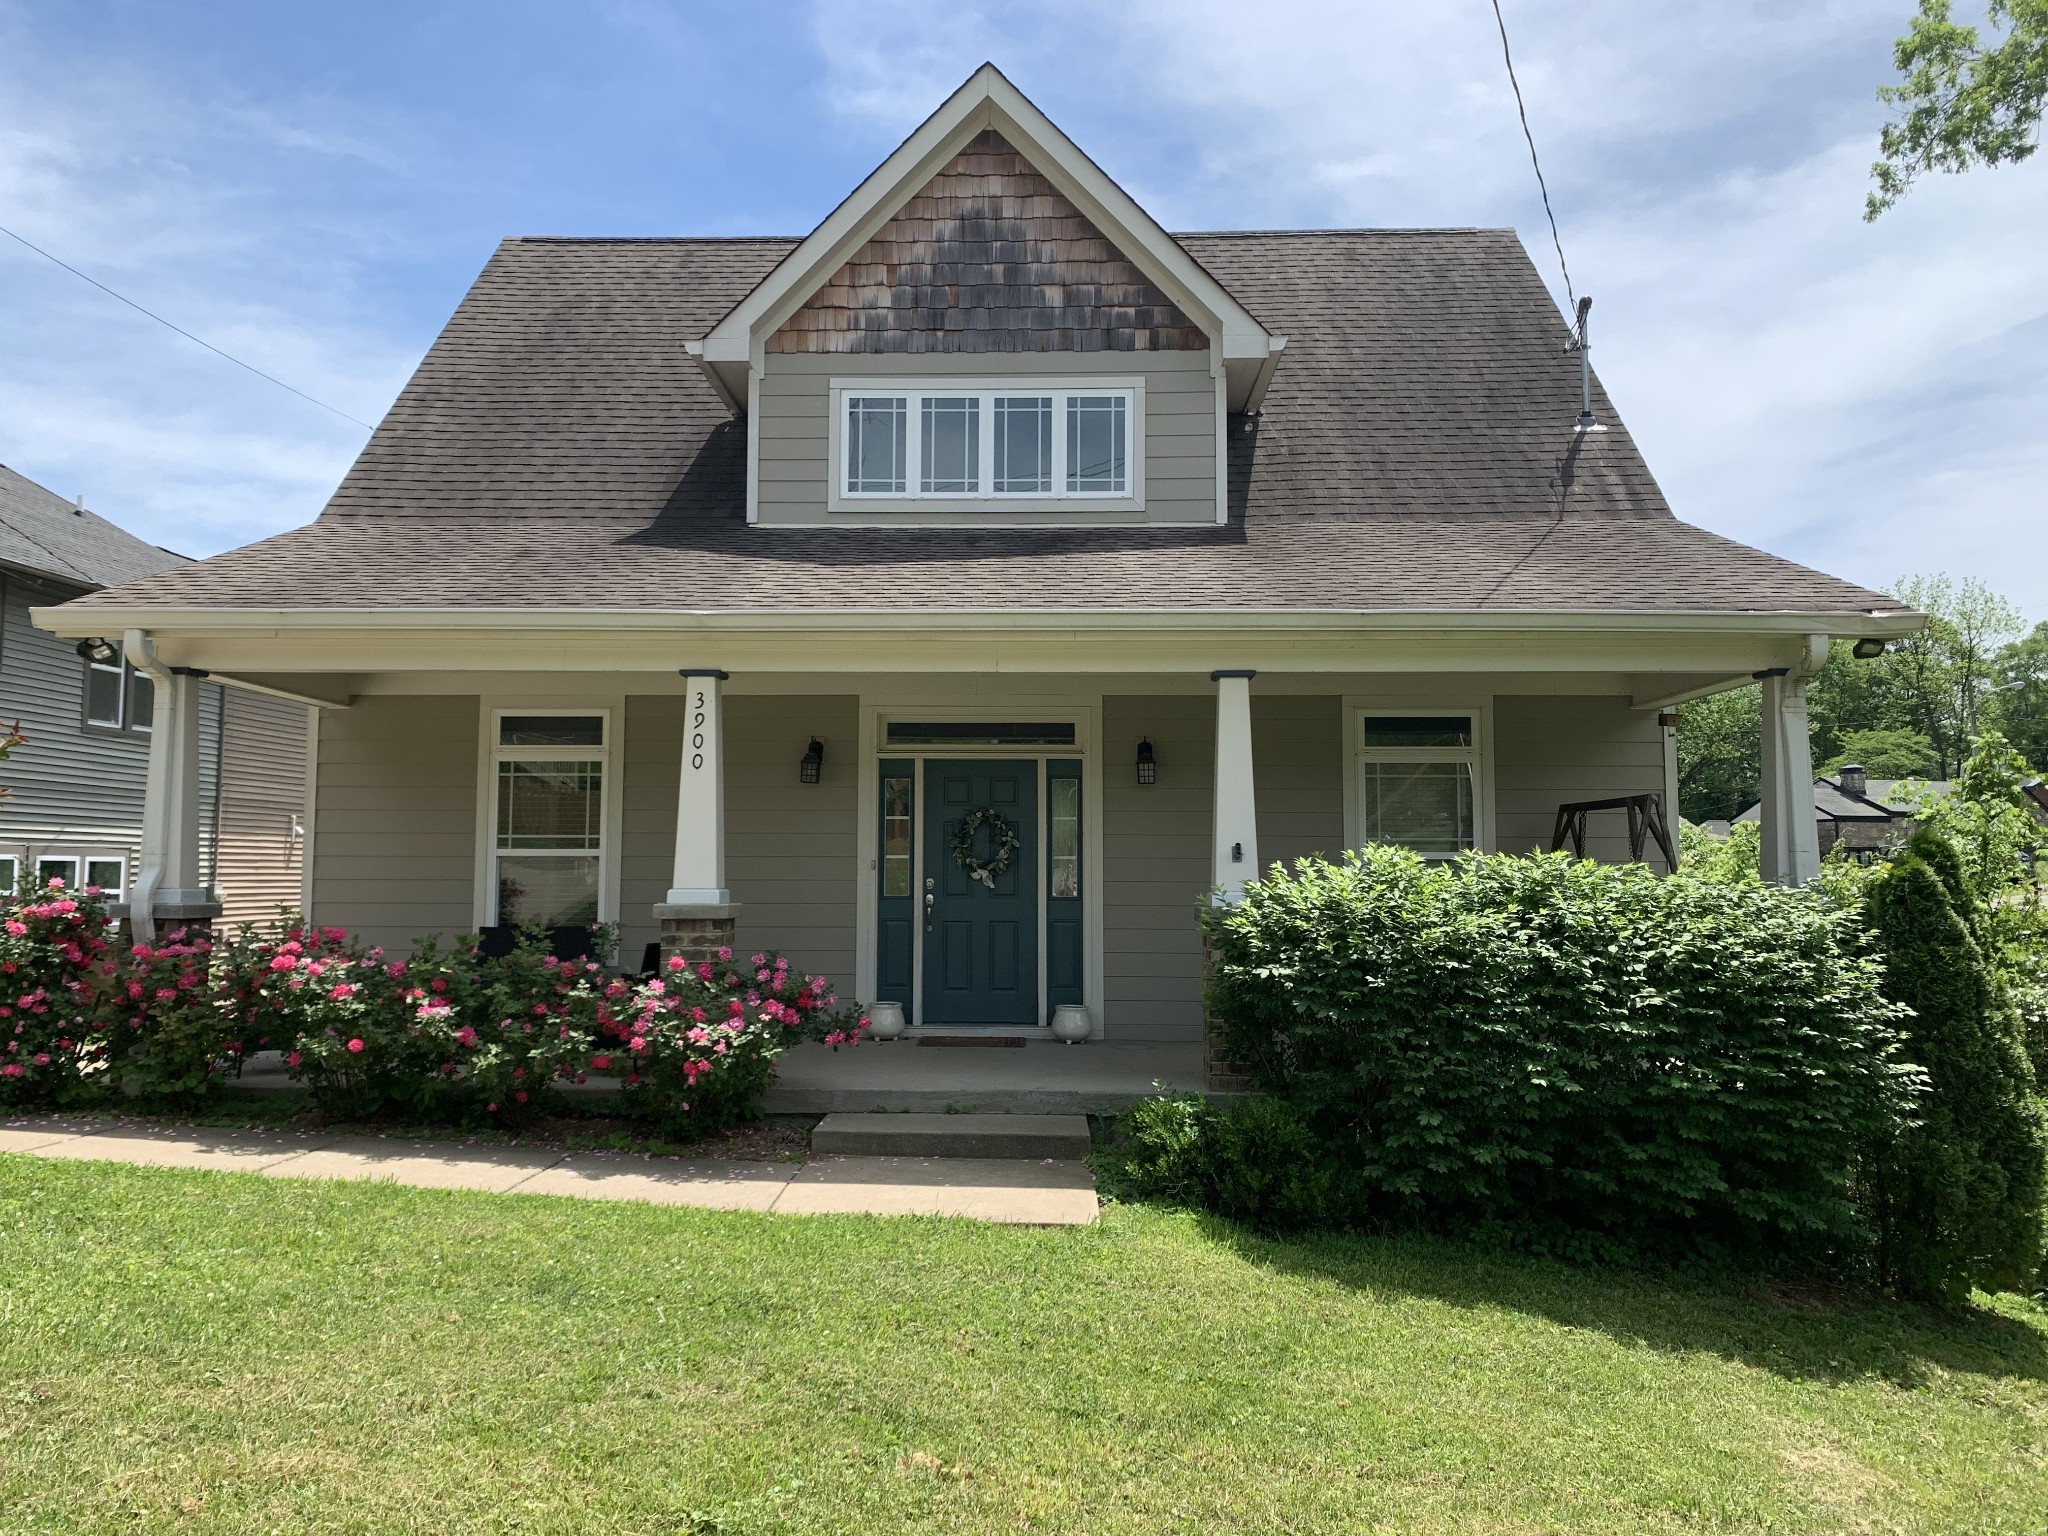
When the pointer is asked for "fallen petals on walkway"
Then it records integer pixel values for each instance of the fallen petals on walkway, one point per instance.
(1017, 1191)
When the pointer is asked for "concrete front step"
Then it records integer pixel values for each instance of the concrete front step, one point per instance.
(883, 1135)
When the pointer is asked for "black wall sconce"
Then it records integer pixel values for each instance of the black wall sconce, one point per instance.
(1869, 648)
(1148, 766)
(812, 763)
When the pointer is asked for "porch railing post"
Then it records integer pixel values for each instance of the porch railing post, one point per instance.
(699, 916)
(1234, 845)
(167, 889)
(1790, 836)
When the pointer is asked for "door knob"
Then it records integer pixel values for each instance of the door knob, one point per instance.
(929, 899)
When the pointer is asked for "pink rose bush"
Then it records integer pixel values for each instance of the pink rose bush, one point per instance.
(447, 1033)
(54, 975)
(696, 1044)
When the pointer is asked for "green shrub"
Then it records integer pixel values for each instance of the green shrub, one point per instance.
(1960, 1192)
(1591, 1058)
(1258, 1161)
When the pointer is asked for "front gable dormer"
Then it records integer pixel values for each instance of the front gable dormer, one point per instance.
(988, 332)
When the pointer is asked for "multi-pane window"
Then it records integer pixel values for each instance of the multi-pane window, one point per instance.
(896, 845)
(876, 441)
(1418, 780)
(989, 444)
(548, 843)
(117, 697)
(108, 876)
(10, 871)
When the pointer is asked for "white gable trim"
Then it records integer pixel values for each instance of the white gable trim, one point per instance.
(736, 345)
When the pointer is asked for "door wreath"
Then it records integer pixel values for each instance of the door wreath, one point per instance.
(1003, 844)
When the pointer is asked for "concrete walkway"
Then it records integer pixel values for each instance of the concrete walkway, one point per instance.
(1047, 1194)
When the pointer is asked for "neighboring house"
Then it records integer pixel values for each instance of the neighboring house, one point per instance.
(954, 597)
(74, 807)
(1865, 817)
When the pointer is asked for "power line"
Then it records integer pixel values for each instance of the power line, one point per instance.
(160, 320)
(1523, 112)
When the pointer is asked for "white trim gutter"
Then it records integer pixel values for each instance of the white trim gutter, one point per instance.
(79, 621)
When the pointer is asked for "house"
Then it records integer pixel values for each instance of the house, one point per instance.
(74, 804)
(956, 596)
(1865, 817)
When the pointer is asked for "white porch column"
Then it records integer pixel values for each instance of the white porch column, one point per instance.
(699, 878)
(1790, 854)
(167, 887)
(698, 918)
(1234, 843)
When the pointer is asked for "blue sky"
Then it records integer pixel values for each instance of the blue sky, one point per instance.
(312, 186)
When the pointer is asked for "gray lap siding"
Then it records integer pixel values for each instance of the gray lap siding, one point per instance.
(395, 849)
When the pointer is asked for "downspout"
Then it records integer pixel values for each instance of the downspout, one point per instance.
(142, 892)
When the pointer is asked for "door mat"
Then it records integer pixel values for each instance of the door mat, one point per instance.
(994, 1040)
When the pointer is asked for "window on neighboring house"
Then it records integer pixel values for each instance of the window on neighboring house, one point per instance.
(991, 444)
(10, 872)
(548, 789)
(1418, 781)
(105, 694)
(57, 867)
(109, 876)
(117, 697)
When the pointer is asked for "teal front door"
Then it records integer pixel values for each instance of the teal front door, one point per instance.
(980, 923)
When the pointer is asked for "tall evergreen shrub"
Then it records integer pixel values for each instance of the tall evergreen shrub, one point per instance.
(1595, 1059)
(1960, 1192)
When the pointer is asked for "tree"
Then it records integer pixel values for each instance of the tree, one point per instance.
(1720, 750)
(1963, 102)
(2023, 695)
(1886, 754)
(1960, 1192)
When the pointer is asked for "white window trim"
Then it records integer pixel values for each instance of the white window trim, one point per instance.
(118, 891)
(1479, 755)
(70, 880)
(610, 802)
(911, 500)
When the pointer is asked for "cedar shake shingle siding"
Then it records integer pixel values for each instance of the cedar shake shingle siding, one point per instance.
(988, 257)
(558, 448)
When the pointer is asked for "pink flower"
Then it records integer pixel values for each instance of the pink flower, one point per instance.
(520, 1095)
(16, 926)
(600, 1062)
(676, 962)
(42, 1058)
(13, 1069)
(637, 1043)
(725, 952)
(355, 1046)
(284, 963)
(340, 991)
(292, 1059)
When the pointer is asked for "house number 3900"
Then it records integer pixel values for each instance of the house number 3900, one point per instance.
(697, 735)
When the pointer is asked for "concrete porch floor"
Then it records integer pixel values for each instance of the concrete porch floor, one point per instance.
(1042, 1077)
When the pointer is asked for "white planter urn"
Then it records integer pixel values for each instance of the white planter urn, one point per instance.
(1072, 1023)
(885, 1021)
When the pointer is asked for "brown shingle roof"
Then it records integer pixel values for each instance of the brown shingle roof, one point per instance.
(558, 448)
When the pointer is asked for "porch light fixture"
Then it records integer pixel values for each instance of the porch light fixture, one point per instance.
(812, 764)
(1148, 765)
(100, 652)
(1869, 648)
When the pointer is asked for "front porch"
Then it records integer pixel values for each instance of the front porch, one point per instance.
(810, 800)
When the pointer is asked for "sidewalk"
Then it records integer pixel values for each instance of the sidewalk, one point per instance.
(1049, 1194)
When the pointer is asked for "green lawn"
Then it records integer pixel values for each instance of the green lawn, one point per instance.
(218, 1352)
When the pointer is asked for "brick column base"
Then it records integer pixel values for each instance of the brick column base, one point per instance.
(696, 933)
(195, 917)
(1224, 1075)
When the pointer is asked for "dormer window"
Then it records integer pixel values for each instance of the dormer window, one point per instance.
(1010, 445)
